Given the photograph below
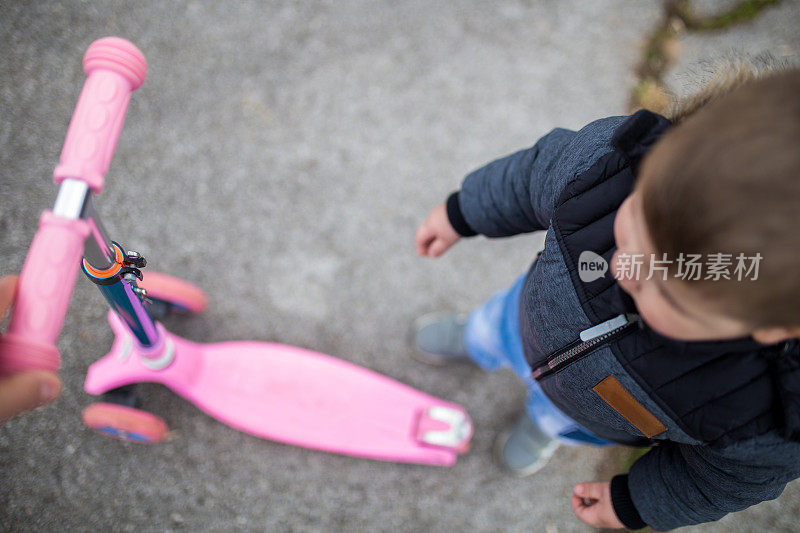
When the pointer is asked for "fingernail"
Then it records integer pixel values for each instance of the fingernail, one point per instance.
(47, 391)
(579, 490)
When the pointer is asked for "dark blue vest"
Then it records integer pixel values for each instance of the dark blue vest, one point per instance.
(718, 391)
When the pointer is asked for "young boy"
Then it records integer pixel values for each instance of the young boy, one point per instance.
(688, 341)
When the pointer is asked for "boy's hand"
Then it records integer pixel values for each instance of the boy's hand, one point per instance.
(436, 234)
(26, 391)
(591, 502)
(22, 392)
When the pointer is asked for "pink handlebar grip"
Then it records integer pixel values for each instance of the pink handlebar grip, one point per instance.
(114, 68)
(43, 294)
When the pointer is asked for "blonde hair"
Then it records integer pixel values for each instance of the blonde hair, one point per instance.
(726, 180)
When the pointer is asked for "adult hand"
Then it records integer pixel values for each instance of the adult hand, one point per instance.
(25, 391)
(436, 234)
(591, 502)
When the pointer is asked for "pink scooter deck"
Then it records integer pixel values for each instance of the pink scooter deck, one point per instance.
(292, 395)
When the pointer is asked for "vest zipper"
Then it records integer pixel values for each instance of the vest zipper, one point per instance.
(589, 340)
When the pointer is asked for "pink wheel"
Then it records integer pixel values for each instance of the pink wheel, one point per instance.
(125, 423)
(179, 295)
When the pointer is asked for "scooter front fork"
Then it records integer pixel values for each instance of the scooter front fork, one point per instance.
(117, 284)
(115, 273)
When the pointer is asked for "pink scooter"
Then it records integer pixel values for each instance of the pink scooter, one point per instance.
(274, 391)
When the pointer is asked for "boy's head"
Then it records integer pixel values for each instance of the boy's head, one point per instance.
(724, 181)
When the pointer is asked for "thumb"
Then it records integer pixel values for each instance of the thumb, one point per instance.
(590, 490)
(438, 247)
(423, 239)
(22, 392)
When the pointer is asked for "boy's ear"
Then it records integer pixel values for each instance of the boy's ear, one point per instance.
(774, 335)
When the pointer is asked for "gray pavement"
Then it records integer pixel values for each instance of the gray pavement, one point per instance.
(281, 155)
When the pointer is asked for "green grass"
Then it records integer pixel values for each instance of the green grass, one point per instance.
(632, 455)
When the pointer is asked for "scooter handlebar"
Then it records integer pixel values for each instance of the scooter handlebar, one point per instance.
(43, 294)
(114, 68)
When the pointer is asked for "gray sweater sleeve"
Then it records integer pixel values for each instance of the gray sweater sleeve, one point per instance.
(676, 485)
(518, 193)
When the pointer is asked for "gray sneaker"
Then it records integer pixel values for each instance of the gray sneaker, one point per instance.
(523, 449)
(439, 339)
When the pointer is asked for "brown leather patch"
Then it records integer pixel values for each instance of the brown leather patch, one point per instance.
(615, 395)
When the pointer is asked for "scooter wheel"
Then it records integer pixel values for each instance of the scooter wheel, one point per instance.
(171, 294)
(125, 423)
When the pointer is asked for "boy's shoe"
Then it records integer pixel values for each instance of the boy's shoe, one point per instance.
(439, 339)
(523, 449)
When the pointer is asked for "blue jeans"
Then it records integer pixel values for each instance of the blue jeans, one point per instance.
(493, 341)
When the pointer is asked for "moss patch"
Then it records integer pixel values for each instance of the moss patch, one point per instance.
(739, 14)
(661, 46)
